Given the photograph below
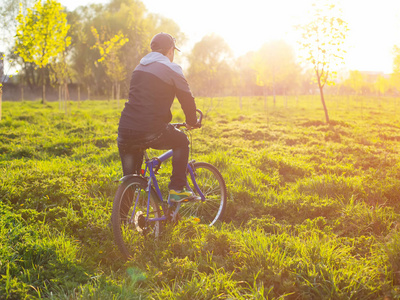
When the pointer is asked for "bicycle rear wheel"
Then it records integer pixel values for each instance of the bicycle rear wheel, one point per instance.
(129, 214)
(212, 185)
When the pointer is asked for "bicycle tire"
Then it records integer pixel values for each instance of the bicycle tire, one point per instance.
(128, 221)
(212, 185)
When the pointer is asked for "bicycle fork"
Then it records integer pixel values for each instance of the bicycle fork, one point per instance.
(191, 170)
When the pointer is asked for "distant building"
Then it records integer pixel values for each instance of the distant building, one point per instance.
(372, 76)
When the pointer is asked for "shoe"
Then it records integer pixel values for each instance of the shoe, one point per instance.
(180, 196)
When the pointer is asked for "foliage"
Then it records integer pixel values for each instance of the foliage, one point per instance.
(382, 85)
(3, 77)
(8, 12)
(109, 56)
(246, 78)
(312, 208)
(129, 19)
(211, 73)
(355, 81)
(42, 34)
(275, 65)
(210, 70)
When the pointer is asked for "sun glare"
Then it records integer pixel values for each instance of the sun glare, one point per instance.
(247, 25)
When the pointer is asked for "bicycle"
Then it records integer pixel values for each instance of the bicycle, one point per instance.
(139, 208)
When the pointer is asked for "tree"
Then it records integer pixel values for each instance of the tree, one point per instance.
(275, 66)
(9, 10)
(1, 80)
(109, 51)
(83, 57)
(355, 81)
(245, 81)
(209, 70)
(395, 76)
(42, 35)
(128, 17)
(322, 40)
(60, 74)
(381, 85)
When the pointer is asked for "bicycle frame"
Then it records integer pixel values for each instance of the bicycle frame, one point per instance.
(151, 165)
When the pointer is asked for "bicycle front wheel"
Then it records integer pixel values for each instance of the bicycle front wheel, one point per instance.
(212, 186)
(129, 216)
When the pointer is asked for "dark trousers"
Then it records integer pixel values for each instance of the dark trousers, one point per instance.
(131, 145)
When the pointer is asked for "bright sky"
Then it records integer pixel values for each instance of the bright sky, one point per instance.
(246, 25)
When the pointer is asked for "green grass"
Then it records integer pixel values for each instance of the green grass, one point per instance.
(313, 210)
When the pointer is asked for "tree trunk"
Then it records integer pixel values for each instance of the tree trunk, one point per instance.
(112, 92)
(59, 97)
(28, 77)
(1, 100)
(266, 104)
(44, 93)
(321, 92)
(286, 100)
(43, 88)
(66, 91)
(66, 97)
(79, 95)
(117, 88)
(273, 88)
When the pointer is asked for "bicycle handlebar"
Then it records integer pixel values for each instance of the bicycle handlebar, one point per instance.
(200, 118)
(179, 125)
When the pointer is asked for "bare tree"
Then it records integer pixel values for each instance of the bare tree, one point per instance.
(322, 40)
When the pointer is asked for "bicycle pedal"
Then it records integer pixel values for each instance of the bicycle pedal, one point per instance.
(193, 198)
(181, 201)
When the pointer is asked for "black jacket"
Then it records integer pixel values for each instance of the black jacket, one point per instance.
(154, 85)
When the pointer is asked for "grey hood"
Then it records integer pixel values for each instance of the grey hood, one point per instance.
(153, 57)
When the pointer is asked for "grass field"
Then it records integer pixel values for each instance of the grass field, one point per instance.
(313, 209)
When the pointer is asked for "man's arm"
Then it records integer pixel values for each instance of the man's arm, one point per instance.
(188, 106)
(185, 98)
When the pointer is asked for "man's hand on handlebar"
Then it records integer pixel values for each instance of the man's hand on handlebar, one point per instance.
(190, 127)
(198, 124)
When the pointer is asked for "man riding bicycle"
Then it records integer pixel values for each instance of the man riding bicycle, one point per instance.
(144, 121)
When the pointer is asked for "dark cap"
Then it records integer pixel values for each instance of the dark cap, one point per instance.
(162, 41)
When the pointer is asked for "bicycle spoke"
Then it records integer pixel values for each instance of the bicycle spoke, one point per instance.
(212, 191)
